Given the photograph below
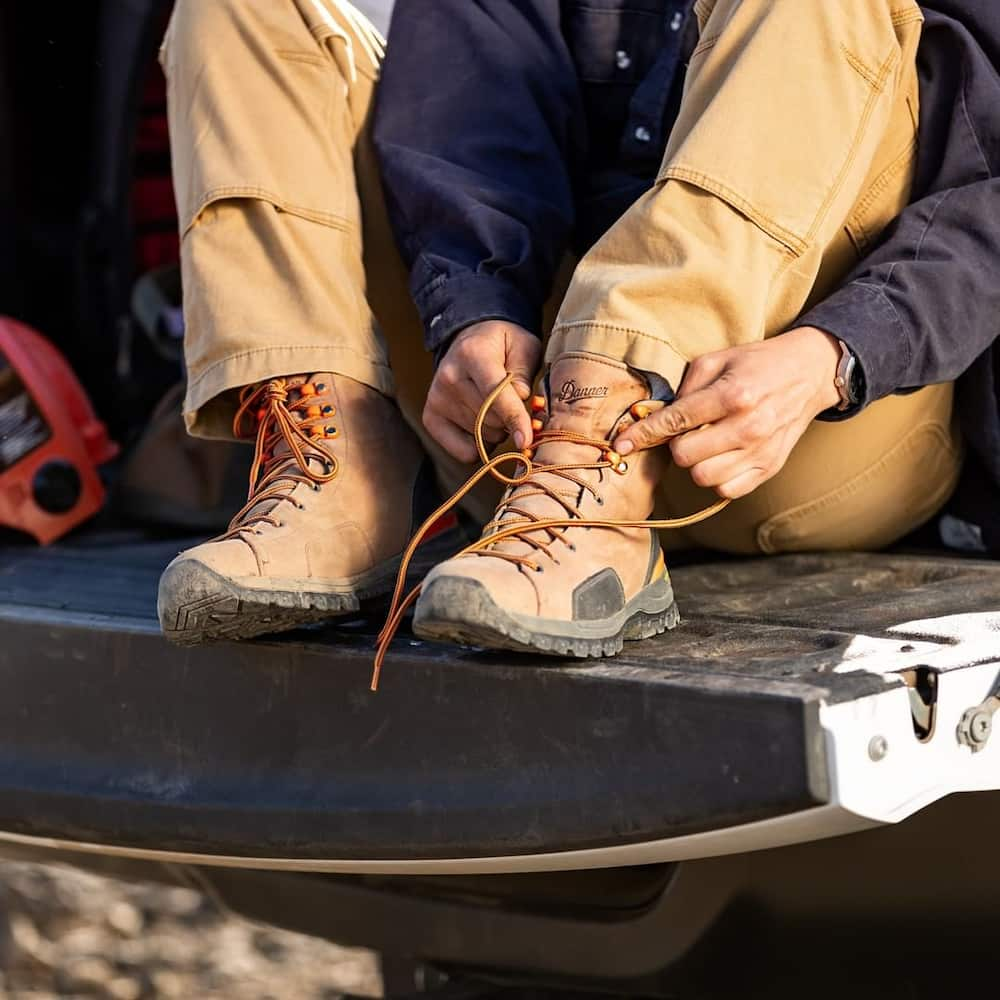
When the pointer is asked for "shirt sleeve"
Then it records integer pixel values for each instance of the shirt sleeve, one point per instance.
(478, 115)
(924, 305)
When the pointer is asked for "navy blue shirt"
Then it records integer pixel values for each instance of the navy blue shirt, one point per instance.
(511, 131)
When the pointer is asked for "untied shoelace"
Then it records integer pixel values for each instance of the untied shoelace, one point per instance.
(494, 532)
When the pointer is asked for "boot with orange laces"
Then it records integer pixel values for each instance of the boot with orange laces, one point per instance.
(569, 565)
(328, 514)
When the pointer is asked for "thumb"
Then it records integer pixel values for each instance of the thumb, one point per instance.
(704, 406)
(509, 407)
(524, 352)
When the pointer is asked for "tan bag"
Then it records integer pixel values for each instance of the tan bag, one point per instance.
(172, 480)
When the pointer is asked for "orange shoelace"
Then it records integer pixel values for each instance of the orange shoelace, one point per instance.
(301, 425)
(525, 524)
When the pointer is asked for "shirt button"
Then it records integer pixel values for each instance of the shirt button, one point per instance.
(643, 134)
(676, 21)
(623, 59)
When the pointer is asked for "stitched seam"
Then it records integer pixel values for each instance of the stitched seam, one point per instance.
(706, 43)
(703, 9)
(243, 355)
(968, 121)
(855, 146)
(879, 186)
(596, 358)
(612, 328)
(930, 221)
(870, 77)
(262, 194)
(908, 16)
(764, 222)
(839, 493)
(294, 55)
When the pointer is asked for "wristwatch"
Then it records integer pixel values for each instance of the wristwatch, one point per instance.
(850, 380)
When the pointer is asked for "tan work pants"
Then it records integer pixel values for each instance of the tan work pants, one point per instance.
(794, 148)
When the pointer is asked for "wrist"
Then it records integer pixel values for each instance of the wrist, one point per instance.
(824, 360)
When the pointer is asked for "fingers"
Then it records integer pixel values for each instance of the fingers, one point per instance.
(730, 434)
(742, 484)
(524, 353)
(508, 408)
(732, 474)
(704, 406)
(478, 360)
(456, 441)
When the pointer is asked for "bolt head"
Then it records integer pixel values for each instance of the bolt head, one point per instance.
(981, 727)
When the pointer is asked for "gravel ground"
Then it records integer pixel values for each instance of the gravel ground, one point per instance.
(64, 933)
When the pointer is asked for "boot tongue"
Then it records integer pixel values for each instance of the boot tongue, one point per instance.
(587, 395)
(317, 399)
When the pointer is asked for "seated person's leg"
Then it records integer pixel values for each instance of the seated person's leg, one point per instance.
(267, 98)
(795, 137)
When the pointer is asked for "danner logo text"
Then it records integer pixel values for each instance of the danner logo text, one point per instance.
(571, 392)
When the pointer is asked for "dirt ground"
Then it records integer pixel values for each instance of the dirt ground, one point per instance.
(65, 933)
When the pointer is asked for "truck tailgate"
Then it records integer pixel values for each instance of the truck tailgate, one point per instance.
(802, 696)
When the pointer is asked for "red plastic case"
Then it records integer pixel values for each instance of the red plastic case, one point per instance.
(51, 442)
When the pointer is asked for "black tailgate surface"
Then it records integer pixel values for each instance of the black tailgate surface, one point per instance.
(277, 748)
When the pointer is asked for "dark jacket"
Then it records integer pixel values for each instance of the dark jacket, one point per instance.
(510, 131)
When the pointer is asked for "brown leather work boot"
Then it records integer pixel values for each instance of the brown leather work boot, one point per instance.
(338, 483)
(579, 591)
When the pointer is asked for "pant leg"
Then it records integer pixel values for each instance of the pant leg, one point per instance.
(796, 135)
(794, 148)
(290, 264)
(265, 100)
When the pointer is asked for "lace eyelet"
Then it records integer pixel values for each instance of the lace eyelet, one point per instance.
(600, 501)
(539, 569)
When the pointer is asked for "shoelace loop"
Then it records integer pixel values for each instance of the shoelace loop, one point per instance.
(273, 477)
(526, 524)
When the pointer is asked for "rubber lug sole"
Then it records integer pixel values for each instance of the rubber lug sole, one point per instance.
(460, 610)
(197, 605)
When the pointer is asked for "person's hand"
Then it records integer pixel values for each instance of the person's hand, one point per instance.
(479, 359)
(739, 412)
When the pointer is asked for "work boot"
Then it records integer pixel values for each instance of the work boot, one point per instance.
(578, 591)
(338, 482)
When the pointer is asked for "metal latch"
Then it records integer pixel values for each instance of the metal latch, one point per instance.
(922, 688)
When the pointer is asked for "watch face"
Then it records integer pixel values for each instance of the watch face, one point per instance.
(856, 381)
